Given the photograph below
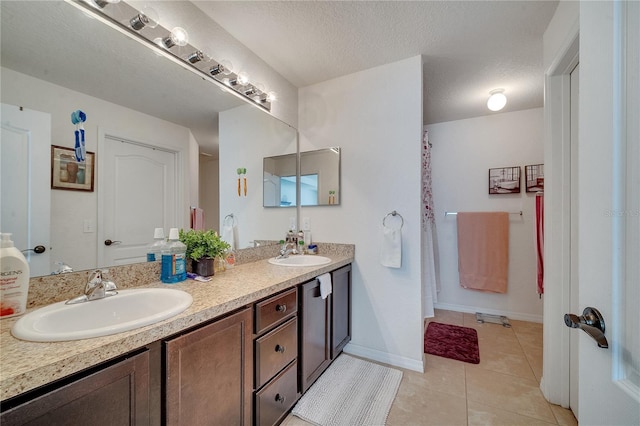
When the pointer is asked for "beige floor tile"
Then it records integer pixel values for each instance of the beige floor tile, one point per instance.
(448, 317)
(483, 415)
(515, 364)
(564, 416)
(514, 394)
(415, 405)
(441, 375)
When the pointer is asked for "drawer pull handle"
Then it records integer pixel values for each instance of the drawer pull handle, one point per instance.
(280, 398)
(280, 348)
(281, 308)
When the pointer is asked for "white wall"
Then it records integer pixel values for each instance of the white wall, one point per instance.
(69, 242)
(377, 122)
(463, 152)
(244, 146)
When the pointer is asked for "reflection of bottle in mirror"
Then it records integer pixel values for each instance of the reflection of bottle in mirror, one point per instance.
(155, 249)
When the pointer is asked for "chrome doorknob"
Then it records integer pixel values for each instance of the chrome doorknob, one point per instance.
(109, 242)
(591, 322)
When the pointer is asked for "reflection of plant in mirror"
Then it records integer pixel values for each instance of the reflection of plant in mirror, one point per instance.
(203, 244)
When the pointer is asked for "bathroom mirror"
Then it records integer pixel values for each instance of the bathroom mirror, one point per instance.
(54, 42)
(319, 179)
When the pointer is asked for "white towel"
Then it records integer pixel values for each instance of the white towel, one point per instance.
(229, 235)
(325, 285)
(391, 253)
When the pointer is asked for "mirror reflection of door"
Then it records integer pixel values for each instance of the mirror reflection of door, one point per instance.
(25, 195)
(138, 192)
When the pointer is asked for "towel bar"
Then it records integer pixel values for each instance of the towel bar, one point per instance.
(455, 213)
(393, 213)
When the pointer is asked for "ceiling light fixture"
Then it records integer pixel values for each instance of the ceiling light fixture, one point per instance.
(147, 17)
(102, 3)
(497, 100)
(196, 56)
(224, 68)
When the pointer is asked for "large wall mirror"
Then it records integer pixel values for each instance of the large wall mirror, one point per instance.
(56, 60)
(319, 183)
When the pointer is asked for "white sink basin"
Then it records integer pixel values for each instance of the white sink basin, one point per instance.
(125, 311)
(296, 260)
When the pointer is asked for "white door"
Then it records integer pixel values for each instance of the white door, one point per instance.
(609, 210)
(25, 203)
(137, 193)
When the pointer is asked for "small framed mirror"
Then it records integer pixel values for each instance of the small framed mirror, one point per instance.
(319, 179)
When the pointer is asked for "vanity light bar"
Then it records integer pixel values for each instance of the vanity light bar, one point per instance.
(122, 14)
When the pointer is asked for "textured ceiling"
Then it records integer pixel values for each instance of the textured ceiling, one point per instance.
(469, 47)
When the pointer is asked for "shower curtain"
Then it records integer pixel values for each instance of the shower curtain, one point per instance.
(429, 244)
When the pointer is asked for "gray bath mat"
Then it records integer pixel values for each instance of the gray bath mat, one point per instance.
(350, 392)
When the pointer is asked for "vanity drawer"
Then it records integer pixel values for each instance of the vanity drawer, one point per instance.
(275, 309)
(275, 350)
(275, 399)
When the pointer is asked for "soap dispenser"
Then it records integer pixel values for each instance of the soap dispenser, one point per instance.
(14, 279)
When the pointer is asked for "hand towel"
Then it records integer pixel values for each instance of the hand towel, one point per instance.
(325, 285)
(197, 218)
(391, 253)
(483, 250)
(229, 235)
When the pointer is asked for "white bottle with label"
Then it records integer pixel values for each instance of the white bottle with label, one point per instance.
(14, 279)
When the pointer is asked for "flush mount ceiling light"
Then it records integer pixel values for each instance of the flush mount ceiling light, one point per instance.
(143, 26)
(497, 100)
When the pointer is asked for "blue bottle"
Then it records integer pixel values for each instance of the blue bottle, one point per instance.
(174, 266)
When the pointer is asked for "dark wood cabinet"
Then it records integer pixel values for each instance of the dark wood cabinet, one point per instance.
(209, 374)
(276, 354)
(115, 394)
(315, 313)
(340, 309)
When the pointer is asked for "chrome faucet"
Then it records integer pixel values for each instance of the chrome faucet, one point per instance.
(286, 250)
(97, 288)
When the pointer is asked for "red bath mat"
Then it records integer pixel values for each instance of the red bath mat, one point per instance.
(452, 341)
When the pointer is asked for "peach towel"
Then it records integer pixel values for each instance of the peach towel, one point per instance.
(483, 250)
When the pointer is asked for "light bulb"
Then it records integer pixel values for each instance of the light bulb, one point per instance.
(497, 100)
(243, 78)
(178, 37)
(272, 96)
(147, 17)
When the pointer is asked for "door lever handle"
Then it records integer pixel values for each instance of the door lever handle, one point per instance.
(591, 322)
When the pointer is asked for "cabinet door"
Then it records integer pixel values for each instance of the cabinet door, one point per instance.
(340, 309)
(209, 374)
(314, 334)
(114, 395)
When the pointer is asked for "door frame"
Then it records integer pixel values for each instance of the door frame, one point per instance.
(179, 152)
(557, 219)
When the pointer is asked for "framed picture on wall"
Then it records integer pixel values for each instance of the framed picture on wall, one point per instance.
(534, 177)
(69, 174)
(504, 180)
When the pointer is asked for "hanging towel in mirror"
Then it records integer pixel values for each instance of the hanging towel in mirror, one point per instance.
(197, 218)
(391, 252)
(325, 285)
(229, 235)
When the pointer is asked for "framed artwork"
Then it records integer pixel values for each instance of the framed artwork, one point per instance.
(505, 180)
(69, 174)
(534, 177)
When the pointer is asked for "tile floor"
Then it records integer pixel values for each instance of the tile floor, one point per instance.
(504, 389)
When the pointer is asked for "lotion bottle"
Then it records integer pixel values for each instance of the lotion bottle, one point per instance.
(14, 279)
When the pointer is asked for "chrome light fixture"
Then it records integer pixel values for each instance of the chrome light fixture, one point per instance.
(143, 26)
(497, 100)
(147, 17)
(177, 37)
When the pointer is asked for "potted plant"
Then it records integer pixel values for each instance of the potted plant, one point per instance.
(203, 248)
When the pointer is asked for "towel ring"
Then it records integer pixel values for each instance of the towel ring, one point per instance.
(234, 220)
(393, 213)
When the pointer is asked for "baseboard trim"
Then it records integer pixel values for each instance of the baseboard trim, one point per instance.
(473, 310)
(385, 357)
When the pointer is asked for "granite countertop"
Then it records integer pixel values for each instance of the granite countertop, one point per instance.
(27, 365)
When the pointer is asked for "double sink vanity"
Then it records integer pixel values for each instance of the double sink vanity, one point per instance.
(251, 343)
